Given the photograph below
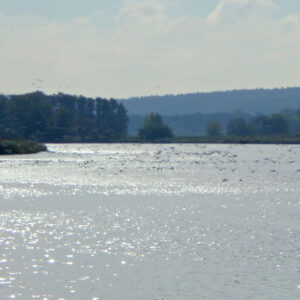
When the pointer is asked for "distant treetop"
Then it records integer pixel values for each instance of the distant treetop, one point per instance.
(153, 128)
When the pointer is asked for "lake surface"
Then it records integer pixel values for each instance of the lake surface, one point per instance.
(151, 222)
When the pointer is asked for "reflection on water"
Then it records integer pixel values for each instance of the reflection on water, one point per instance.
(151, 222)
(152, 169)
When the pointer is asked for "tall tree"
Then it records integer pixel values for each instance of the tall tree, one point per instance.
(278, 124)
(153, 128)
(61, 117)
(213, 128)
(270, 125)
(238, 127)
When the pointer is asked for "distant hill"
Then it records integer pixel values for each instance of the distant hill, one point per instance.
(264, 101)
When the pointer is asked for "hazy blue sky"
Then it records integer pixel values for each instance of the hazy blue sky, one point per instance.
(122, 48)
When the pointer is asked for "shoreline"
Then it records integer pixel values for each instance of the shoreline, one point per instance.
(14, 147)
(276, 140)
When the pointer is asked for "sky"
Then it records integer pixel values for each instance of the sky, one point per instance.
(125, 48)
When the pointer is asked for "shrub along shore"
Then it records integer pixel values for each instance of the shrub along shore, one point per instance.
(285, 139)
(193, 140)
(20, 147)
(8, 147)
(220, 140)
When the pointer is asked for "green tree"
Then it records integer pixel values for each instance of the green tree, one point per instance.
(238, 127)
(213, 128)
(61, 117)
(278, 124)
(260, 125)
(271, 125)
(3, 105)
(153, 128)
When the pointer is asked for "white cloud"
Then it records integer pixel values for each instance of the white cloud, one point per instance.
(147, 17)
(230, 10)
(148, 48)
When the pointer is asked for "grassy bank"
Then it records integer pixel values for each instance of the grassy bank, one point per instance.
(214, 140)
(284, 139)
(20, 147)
(237, 140)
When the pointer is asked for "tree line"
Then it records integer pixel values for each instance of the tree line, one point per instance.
(287, 122)
(61, 117)
(237, 123)
(188, 125)
(66, 118)
(153, 126)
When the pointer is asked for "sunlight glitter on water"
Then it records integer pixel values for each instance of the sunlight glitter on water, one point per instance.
(174, 221)
(152, 169)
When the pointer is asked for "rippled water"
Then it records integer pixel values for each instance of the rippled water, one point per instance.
(151, 222)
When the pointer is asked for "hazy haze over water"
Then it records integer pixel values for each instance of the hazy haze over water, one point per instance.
(151, 222)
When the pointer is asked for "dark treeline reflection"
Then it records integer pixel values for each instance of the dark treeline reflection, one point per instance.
(61, 117)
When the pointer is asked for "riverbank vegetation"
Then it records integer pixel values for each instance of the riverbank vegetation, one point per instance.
(274, 129)
(196, 124)
(62, 118)
(8, 147)
(209, 140)
(153, 128)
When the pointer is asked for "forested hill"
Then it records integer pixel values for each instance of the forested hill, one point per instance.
(250, 101)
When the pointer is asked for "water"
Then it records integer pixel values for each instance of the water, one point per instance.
(151, 222)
